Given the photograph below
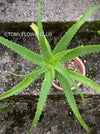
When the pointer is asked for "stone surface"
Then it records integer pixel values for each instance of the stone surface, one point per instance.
(56, 118)
(51, 10)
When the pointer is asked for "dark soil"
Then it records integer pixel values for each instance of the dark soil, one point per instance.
(56, 118)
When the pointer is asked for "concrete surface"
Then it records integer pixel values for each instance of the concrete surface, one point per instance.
(51, 10)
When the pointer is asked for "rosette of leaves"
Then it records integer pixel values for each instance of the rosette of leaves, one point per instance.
(50, 65)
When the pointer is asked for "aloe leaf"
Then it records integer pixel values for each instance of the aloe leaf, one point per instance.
(35, 29)
(63, 43)
(83, 79)
(24, 52)
(44, 46)
(37, 72)
(21, 86)
(47, 83)
(1, 109)
(70, 98)
(63, 71)
(79, 51)
(98, 32)
(60, 55)
(52, 74)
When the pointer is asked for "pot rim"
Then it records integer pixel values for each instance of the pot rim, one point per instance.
(82, 67)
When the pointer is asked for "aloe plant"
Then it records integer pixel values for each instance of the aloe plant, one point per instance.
(50, 65)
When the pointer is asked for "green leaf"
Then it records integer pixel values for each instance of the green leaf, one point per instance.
(83, 79)
(24, 52)
(44, 46)
(98, 32)
(52, 74)
(79, 51)
(70, 98)
(35, 29)
(60, 55)
(21, 86)
(37, 72)
(47, 83)
(63, 71)
(63, 43)
(4, 108)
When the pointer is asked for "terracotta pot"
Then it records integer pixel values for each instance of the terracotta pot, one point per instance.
(82, 68)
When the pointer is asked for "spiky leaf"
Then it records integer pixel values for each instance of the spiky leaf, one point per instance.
(44, 46)
(63, 71)
(21, 86)
(63, 43)
(79, 51)
(47, 83)
(37, 72)
(24, 52)
(98, 32)
(60, 55)
(83, 79)
(4, 108)
(70, 98)
(35, 29)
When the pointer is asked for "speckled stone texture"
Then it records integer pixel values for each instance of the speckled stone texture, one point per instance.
(51, 10)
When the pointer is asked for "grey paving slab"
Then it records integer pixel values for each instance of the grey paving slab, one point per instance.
(51, 10)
